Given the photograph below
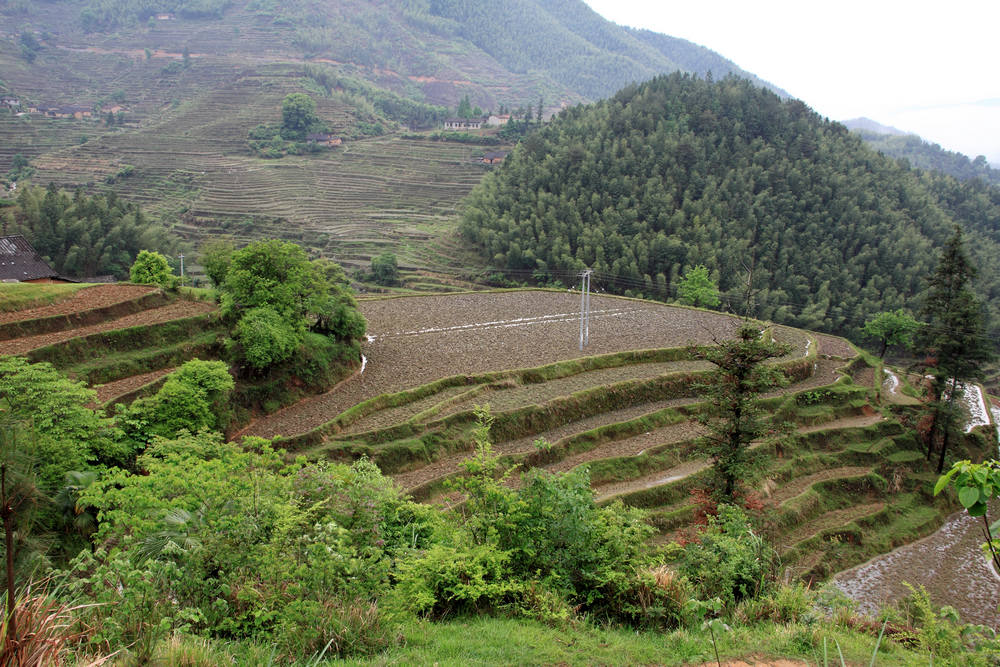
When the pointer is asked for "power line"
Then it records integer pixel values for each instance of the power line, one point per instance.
(671, 291)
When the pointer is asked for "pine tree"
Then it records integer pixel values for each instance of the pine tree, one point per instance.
(952, 340)
(733, 416)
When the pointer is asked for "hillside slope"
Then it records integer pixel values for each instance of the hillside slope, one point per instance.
(680, 172)
(186, 81)
(927, 155)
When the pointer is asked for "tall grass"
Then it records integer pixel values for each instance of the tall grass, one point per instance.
(46, 630)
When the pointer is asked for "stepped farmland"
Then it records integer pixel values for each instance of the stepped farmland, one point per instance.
(848, 483)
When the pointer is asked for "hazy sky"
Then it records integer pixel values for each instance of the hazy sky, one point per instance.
(923, 67)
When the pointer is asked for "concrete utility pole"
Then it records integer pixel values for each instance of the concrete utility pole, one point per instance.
(585, 308)
(182, 268)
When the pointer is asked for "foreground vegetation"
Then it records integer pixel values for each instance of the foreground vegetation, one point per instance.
(142, 534)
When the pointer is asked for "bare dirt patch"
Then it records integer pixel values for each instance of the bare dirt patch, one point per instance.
(88, 298)
(865, 377)
(106, 392)
(834, 346)
(421, 339)
(173, 311)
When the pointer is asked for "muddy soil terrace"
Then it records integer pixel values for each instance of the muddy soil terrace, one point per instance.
(415, 340)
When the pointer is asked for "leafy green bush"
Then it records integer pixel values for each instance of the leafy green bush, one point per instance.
(228, 541)
(65, 433)
(449, 580)
(151, 268)
(265, 338)
(194, 397)
(552, 532)
(385, 270)
(730, 560)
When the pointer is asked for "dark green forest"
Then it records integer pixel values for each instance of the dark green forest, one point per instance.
(681, 171)
(85, 236)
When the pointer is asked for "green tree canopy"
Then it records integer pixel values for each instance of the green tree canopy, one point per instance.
(85, 236)
(151, 268)
(266, 337)
(55, 410)
(953, 339)
(298, 114)
(274, 294)
(385, 270)
(892, 328)
(215, 257)
(680, 172)
(194, 397)
(273, 274)
(733, 416)
(697, 288)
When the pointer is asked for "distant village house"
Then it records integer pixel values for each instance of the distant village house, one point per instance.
(463, 123)
(494, 158)
(70, 111)
(323, 139)
(497, 120)
(10, 102)
(20, 263)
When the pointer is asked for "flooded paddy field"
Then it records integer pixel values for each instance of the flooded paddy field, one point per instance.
(949, 564)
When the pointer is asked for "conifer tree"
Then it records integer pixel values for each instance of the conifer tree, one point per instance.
(733, 416)
(953, 339)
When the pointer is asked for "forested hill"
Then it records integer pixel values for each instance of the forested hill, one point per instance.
(926, 155)
(681, 171)
(574, 45)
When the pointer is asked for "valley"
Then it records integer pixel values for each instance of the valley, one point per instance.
(844, 486)
(389, 427)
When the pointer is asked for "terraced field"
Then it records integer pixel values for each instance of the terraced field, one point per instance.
(184, 146)
(843, 486)
(80, 299)
(121, 336)
(416, 340)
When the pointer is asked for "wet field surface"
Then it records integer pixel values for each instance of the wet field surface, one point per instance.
(948, 563)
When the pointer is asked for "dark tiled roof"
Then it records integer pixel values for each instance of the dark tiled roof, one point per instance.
(89, 279)
(19, 261)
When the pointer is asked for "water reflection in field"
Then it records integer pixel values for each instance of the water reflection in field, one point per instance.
(949, 564)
